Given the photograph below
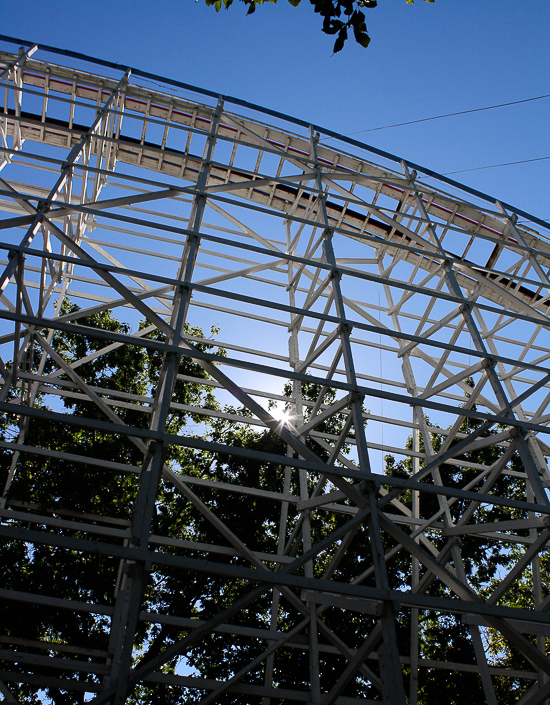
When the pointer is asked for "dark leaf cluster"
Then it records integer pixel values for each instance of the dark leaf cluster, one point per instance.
(340, 17)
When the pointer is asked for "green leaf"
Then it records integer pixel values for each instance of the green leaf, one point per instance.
(340, 39)
(294, 3)
(332, 27)
(363, 39)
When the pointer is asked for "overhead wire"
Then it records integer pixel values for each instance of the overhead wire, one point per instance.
(463, 112)
(494, 166)
(446, 115)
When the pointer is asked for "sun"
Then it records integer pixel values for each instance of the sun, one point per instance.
(283, 416)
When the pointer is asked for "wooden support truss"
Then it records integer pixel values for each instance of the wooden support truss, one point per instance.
(416, 311)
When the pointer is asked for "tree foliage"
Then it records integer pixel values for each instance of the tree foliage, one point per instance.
(485, 561)
(48, 485)
(340, 17)
(68, 487)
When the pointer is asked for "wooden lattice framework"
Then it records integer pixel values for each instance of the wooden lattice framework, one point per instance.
(413, 303)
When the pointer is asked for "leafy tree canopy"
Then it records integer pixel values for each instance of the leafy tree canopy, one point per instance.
(48, 485)
(339, 16)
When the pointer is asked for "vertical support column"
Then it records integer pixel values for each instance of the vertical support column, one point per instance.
(537, 590)
(390, 665)
(528, 458)
(530, 439)
(415, 576)
(134, 573)
(15, 70)
(298, 418)
(81, 149)
(500, 394)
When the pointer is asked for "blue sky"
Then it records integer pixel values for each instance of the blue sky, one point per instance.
(424, 60)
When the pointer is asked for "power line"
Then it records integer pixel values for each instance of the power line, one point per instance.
(494, 166)
(461, 112)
